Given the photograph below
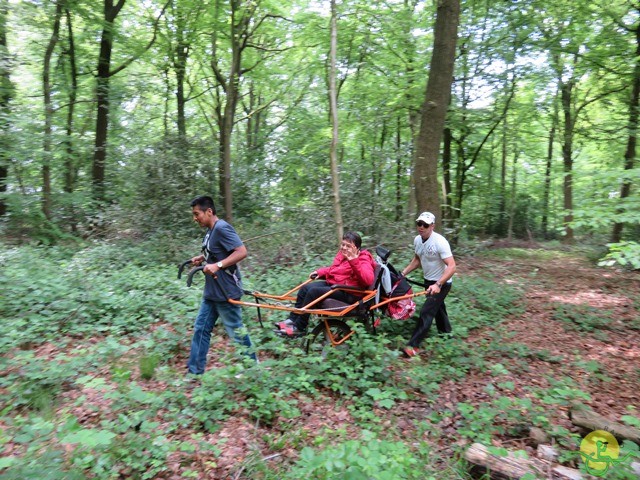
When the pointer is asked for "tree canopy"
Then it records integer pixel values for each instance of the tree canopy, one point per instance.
(115, 114)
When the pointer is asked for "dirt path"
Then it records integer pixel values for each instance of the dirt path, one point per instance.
(599, 353)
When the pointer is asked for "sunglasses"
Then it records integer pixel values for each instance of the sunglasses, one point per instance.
(422, 224)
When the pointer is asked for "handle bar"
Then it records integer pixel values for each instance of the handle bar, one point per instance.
(191, 273)
(181, 268)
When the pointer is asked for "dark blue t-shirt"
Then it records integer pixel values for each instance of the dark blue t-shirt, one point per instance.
(218, 243)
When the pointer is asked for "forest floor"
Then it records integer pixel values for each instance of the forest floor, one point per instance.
(602, 356)
(578, 322)
(611, 341)
(596, 344)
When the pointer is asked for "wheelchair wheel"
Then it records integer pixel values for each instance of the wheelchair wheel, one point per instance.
(319, 340)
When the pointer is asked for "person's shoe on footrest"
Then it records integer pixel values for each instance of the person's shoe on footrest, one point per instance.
(290, 331)
(281, 325)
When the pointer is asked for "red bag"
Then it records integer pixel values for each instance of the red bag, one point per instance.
(400, 309)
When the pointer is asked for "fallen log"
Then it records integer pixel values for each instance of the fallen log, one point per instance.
(587, 418)
(507, 466)
(511, 466)
(548, 453)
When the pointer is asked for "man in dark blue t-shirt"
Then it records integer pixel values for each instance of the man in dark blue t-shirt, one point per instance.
(222, 249)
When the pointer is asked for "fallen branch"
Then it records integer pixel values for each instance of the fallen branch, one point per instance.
(508, 466)
(586, 418)
(511, 466)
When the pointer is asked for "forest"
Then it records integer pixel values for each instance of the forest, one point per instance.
(514, 121)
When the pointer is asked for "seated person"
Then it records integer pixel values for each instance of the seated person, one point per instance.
(351, 266)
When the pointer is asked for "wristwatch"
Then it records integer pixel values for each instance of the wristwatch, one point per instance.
(219, 265)
(437, 283)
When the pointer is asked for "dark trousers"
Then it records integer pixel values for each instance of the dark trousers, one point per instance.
(433, 307)
(309, 293)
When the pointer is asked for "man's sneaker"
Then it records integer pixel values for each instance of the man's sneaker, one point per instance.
(410, 352)
(286, 323)
(290, 331)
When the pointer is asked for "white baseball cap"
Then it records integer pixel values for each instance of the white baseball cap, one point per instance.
(426, 217)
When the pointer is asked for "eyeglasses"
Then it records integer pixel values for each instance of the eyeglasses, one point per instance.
(422, 224)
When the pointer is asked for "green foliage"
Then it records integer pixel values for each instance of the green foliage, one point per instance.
(100, 290)
(156, 162)
(88, 317)
(360, 374)
(38, 382)
(148, 364)
(563, 392)
(483, 301)
(501, 416)
(48, 464)
(583, 318)
(631, 420)
(40, 459)
(364, 458)
(626, 254)
(26, 221)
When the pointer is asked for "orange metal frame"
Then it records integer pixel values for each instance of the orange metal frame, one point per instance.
(323, 313)
(367, 295)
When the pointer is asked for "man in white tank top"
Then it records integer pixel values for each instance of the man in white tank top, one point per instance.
(433, 254)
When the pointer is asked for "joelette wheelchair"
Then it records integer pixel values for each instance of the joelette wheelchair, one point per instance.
(329, 316)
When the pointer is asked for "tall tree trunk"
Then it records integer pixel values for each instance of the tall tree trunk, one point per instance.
(111, 11)
(373, 171)
(512, 206)
(105, 72)
(333, 110)
(180, 67)
(447, 211)
(434, 108)
(398, 179)
(250, 127)
(502, 205)
(377, 166)
(462, 143)
(413, 112)
(70, 164)
(567, 159)
(255, 119)
(630, 153)
(225, 144)
(547, 174)
(167, 101)
(48, 112)
(462, 165)
(6, 93)
(488, 216)
(241, 17)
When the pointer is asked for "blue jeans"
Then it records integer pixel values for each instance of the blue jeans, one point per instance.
(208, 314)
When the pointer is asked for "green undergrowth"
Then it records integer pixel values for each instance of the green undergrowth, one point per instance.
(594, 320)
(90, 385)
(59, 295)
(553, 253)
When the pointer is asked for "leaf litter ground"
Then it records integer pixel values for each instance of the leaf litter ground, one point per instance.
(602, 358)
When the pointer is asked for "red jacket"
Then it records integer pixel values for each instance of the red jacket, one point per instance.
(358, 272)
